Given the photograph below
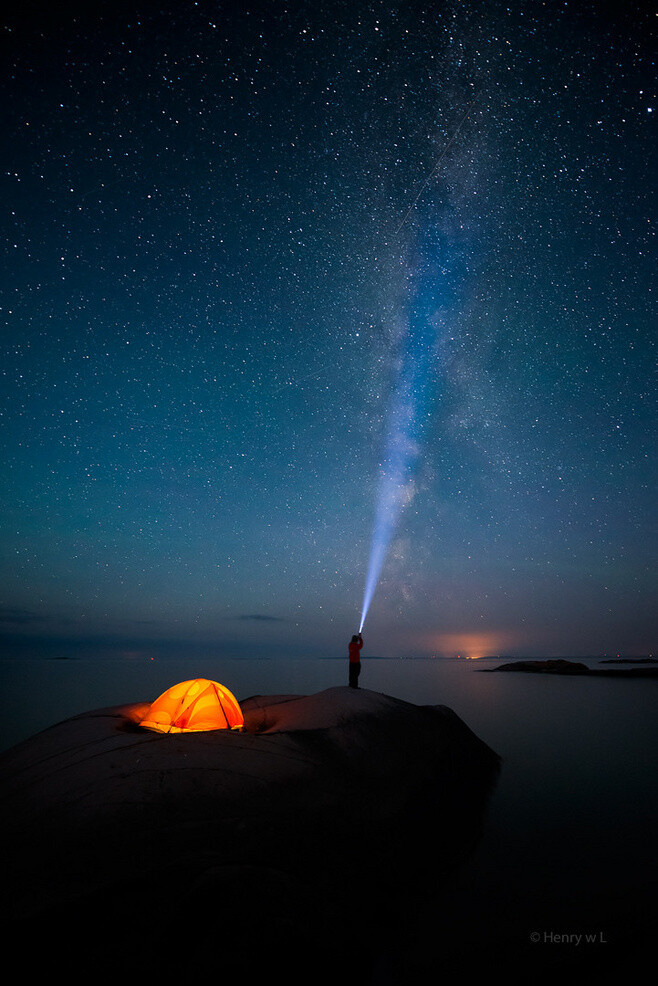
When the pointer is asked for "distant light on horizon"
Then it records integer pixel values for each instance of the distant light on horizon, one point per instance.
(472, 646)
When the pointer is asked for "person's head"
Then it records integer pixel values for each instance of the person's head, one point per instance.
(355, 638)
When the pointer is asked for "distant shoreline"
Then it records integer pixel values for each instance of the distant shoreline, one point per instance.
(562, 667)
(62, 656)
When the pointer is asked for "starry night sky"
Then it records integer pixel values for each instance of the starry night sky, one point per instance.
(227, 229)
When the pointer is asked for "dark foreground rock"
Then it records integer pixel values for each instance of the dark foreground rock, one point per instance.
(300, 844)
(559, 666)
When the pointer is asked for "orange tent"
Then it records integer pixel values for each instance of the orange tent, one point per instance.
(197, 705)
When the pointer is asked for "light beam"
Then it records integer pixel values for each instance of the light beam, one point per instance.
(395, 485)
(396, 476)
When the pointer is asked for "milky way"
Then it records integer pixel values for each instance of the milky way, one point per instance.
(222, 227)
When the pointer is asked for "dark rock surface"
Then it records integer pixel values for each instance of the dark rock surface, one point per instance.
(319, 827)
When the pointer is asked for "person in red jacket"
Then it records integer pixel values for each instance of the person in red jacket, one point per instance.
(354, 649)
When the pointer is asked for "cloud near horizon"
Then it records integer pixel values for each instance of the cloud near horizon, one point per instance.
(263, 617)
(15, 616)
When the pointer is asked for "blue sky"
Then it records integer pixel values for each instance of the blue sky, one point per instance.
(224, 232)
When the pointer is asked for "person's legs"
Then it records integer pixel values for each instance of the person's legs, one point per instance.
(355, 671)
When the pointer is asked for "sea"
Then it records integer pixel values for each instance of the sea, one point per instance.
(566, 869)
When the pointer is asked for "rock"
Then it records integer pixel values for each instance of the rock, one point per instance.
(559, 666)
(553, 665)
(128, 839)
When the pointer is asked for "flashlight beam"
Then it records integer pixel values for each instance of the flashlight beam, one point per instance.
(396, 477)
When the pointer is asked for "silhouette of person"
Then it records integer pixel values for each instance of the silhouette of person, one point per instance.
(354, 649)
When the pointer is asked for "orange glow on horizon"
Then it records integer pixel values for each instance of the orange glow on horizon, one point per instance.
(470, 646)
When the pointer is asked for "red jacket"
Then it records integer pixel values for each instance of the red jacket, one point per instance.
(355, 651)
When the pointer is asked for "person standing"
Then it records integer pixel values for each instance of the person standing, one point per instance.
(354, 649)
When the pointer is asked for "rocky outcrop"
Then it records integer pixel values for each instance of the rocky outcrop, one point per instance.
(559, 666)
(128, 839)
(551, 666)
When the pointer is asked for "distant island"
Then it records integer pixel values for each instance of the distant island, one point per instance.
(630, 660)
(560, 666)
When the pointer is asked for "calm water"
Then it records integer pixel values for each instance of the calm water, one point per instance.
(568, 846)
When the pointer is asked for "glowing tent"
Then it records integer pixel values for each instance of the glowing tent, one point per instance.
(197, 705)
